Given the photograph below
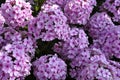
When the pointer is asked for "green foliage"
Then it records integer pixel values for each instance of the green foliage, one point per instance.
(37, 6)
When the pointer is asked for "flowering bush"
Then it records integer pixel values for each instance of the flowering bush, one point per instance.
(60, 40)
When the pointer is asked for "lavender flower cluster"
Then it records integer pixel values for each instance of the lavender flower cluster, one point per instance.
(60, 40)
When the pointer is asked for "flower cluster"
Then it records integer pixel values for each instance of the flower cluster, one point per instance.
(16, 12)
(86, 41)
(92, 64)
(50, 67)
(14, 63)
(98, 24)
(61, 3)
(19, 40)
(111, 45)
(50, 24)
(113, 7)
(78, 11)
(76, 42)
(16, 51)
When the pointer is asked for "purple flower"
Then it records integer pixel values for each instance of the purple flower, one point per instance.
(61, 3)
(111, 44)
(16, 13)
(77, 41)
(112, 6)
(2, 20)
(98, 24)
(50, 67)
(78, 11)
(50, 24)
(14, 65)
(94, 66)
